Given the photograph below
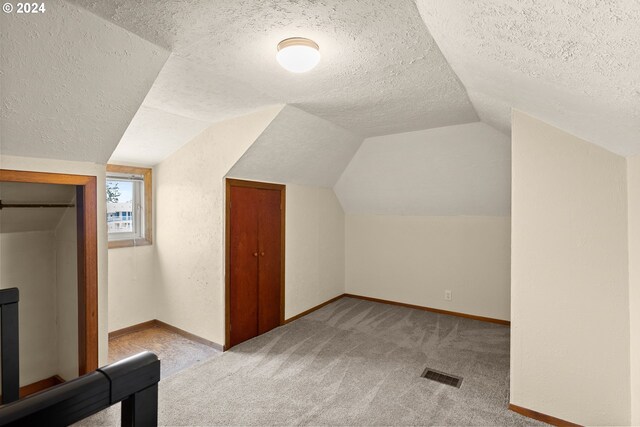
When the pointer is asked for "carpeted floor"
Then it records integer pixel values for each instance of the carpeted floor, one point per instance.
(352, 362)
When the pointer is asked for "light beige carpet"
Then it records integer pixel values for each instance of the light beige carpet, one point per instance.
(352, 362)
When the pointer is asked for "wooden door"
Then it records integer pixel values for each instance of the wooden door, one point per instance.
(244, 264)
(255, 259)
(269, 260)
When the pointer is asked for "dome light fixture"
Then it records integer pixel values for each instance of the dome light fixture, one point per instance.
(297, 54)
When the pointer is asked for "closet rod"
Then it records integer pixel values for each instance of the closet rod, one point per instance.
(35, 205)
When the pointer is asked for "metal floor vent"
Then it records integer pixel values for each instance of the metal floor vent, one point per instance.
(441, 377)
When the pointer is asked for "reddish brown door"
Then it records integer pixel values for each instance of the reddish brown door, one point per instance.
(269, 260)
(244, 264)
(255, 260)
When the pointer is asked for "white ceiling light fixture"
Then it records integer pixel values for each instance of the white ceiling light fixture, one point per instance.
(297, 54)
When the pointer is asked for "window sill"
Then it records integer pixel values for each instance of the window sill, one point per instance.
(129, 243)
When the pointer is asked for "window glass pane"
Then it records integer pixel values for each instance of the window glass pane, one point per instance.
(120, 206)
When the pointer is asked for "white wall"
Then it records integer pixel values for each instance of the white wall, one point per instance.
(314, 258)
(132, 278)
(633, 185)
(314, 248)
(453, 170)
(414, 259)
(79, 168)
(42, 264)
(569, 304)
(190, 224)
(66, 274)
(428, 211)
(28, 262)
(132, 286)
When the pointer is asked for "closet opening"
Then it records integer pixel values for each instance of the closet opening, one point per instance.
(63, 205)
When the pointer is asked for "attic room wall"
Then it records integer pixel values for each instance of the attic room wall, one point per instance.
(42, 264)
(426, 212)
(133, 291)
(414, 259)
(28, 262)
(189, 279)
(66, 273)
(314, 248)
(633, 187)
(89, 169)
(570, 289)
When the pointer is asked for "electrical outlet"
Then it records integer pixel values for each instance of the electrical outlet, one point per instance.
(447, 295)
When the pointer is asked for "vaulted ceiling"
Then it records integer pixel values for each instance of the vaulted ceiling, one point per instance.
(572, 63)
(298, 148)
(71, 82)
(381, 72)
(153, 74)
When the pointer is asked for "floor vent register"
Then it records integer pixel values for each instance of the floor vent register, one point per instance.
(441, 377)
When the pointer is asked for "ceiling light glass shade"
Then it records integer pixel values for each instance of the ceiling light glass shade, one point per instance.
(298, 54)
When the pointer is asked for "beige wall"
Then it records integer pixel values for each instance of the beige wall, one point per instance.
(132, 286)
(190, 204)
(185, 266)
(314, 258)
(42, 264)
(79, 168)
(569, 292)
(633, 170)
(414, 259)
(132, 279)
(66, 244)
(28, 262)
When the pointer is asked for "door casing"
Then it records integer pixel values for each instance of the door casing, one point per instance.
(87, 256)
(260, 185)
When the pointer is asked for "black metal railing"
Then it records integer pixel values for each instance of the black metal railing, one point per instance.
(9, 350)
(132, 381)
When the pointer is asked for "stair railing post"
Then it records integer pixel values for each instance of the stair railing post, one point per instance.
(9, 345)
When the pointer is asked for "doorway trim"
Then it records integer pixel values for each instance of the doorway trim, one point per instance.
(86, 223)
(230, 182)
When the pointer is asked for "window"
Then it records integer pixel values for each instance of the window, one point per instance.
(128, 193)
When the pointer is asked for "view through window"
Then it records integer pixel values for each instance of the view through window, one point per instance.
(128, 194)
(120, 206)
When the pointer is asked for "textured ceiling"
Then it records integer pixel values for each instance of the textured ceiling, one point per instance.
(453, 170)
(572, 63)
(71, 82)
(14, 220)
(380, 72)
(153, 135)
(298, 148)
(185, 99)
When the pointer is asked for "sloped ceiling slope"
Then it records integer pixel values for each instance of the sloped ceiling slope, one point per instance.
(572, 63)
(381, 72)
(298, 148)
(185, 99)
(71, 82)
(453, 170)
(153, 135)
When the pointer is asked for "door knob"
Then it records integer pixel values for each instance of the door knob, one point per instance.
(255, 254)
(261, 253)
